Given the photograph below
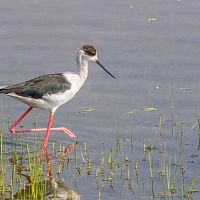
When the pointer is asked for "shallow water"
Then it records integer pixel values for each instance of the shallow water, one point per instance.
(154, 61)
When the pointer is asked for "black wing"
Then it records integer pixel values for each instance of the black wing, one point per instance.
(37, 87)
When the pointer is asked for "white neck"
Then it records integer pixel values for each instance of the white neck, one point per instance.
(82, 66)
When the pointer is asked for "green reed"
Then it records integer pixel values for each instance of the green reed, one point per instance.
(119, 166)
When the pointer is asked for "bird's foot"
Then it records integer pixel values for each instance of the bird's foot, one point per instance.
(12, 130)
(69, 148)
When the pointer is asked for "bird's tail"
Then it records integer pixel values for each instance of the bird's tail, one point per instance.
(2, 88)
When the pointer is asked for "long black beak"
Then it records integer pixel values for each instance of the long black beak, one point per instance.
(104, 68)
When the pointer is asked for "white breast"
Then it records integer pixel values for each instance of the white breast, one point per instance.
(56, 100)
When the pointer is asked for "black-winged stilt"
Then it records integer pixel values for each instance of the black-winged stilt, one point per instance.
(48, 92)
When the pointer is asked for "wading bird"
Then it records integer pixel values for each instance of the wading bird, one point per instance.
(49, 92)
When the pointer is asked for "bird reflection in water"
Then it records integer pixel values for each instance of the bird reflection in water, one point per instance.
(53, 190)
(62, 192)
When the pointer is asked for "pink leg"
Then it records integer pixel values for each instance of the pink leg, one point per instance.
(12, 129)
(62, 129)
(50, 171)
(48, 130)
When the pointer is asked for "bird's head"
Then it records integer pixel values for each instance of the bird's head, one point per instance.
(89, 53)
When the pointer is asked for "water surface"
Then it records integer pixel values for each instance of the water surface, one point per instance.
(152, 47)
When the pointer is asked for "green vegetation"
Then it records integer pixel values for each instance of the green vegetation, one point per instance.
(27, 172)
